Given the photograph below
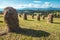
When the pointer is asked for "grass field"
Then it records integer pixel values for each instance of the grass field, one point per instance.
(33, 30)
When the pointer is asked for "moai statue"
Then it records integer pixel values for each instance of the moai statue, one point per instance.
(38, 17)
(32, 16)
(11, 19)
(50, 18)
(25, 16)
(43, 17)
(20, 15)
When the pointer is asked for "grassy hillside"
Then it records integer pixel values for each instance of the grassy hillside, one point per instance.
(33, 30)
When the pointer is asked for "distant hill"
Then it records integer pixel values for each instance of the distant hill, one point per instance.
(34, 9)
(50, 8)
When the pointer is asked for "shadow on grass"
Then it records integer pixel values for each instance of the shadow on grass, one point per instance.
(31, 32)
(30, 20)
(1, 16)
(56, 22)
(1, 21)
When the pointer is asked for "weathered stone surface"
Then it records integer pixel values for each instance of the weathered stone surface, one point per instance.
(43, 17)
(25, 16)
(32, 16)
(11, 18)
(2, 33)
(38, 17)
(20, 15)
(50, 18)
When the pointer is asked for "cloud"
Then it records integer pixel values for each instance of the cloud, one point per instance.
(31, 5)
(25, 5)
(5, 3)
(37, 1)
(46, 5)
(55, 6)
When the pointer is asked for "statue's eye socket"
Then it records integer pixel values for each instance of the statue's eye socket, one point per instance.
(7, 12)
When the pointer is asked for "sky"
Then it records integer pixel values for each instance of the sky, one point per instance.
(30, 3)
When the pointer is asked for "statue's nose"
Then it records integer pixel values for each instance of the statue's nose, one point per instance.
(6, 13)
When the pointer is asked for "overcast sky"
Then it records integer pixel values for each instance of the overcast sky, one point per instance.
(30, 3)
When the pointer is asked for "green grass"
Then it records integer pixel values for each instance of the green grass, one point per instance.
(32, 27)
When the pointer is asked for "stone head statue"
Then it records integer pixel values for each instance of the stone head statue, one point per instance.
(11, 18)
